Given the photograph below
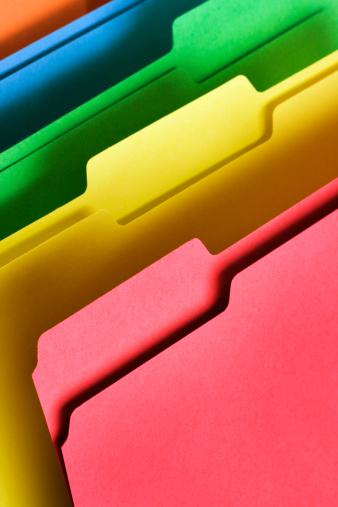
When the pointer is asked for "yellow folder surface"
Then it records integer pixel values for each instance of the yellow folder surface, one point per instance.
(216, 169)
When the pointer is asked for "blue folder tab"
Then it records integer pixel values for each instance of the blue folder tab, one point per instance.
(70, 66)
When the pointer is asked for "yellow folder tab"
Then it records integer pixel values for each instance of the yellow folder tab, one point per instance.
(182, 148)
(159, 161)
(62, 262)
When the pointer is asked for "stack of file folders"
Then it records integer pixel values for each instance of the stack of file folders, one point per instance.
(168, 253)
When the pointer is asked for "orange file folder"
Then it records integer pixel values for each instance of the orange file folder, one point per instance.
(25, 21)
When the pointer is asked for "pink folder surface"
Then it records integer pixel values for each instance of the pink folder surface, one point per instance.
(242, 411)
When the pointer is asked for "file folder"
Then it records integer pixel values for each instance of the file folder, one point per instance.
(48, 169)
(100, 50)
(95, 347)
(55, 267)
(22, 23)
(230, 135)
(242, 411)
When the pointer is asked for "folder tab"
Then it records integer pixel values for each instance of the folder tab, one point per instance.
(180, 149)
(202, 137)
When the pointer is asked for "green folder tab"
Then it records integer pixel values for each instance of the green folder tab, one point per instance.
(265, 41)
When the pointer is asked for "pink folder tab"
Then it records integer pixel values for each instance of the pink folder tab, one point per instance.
(93, 348)
(242, 411)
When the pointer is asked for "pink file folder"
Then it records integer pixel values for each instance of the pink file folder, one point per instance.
(241, 412)
(185, 293)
